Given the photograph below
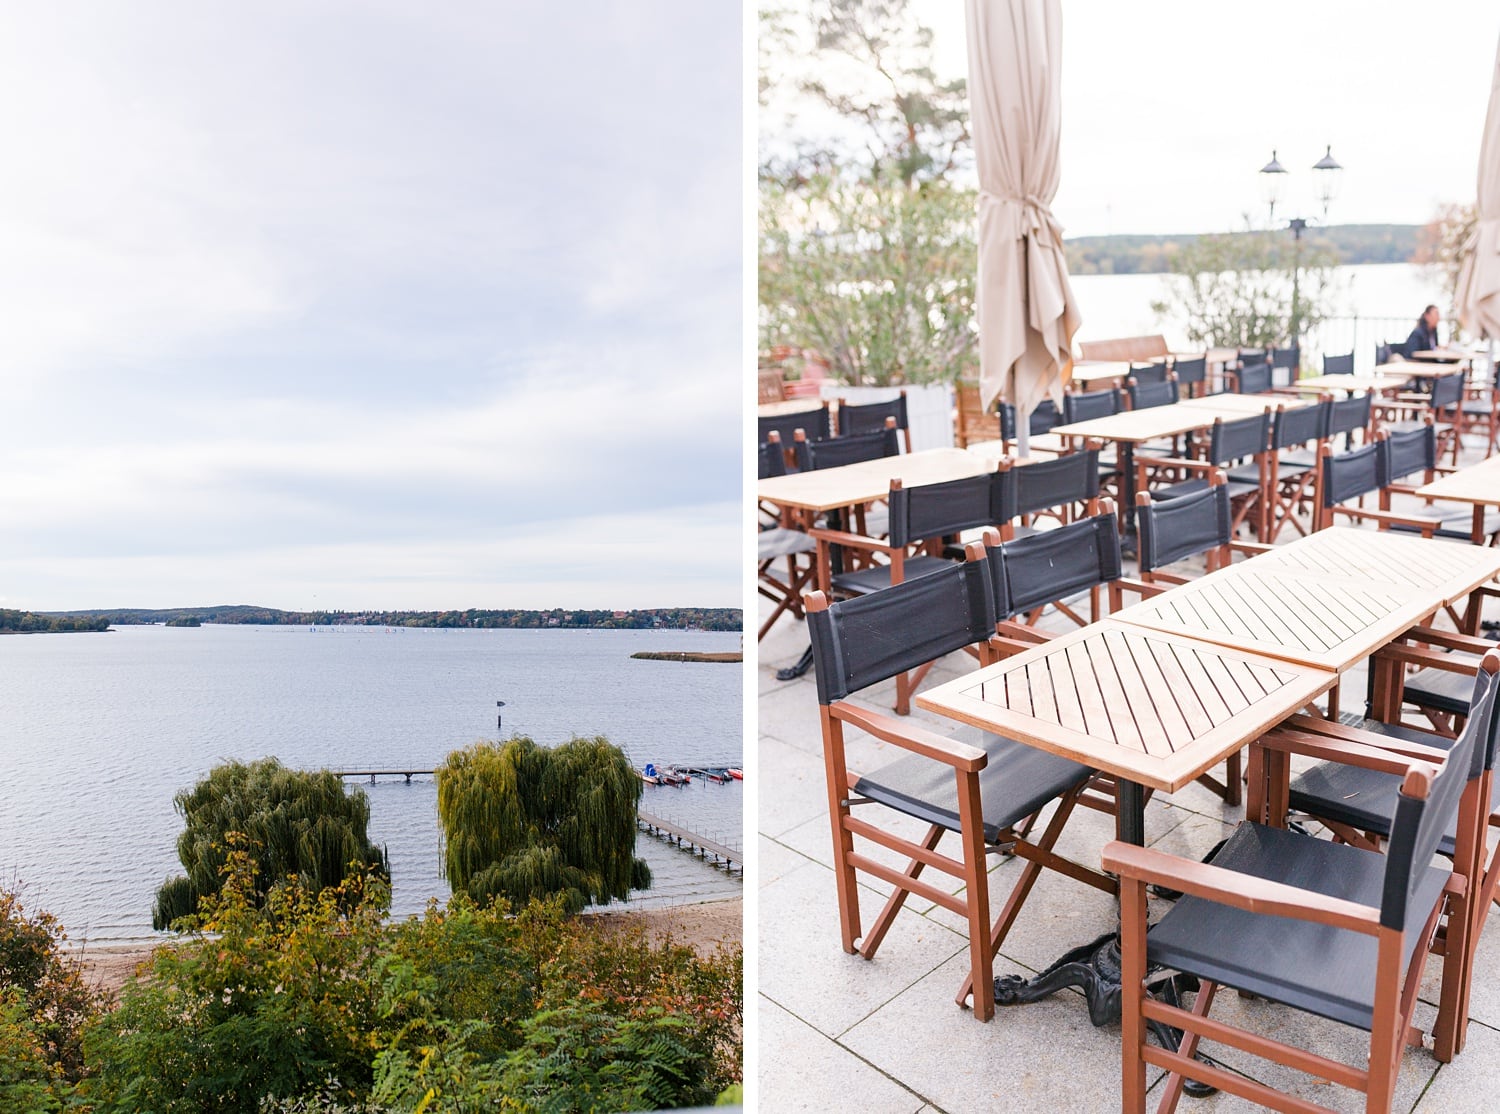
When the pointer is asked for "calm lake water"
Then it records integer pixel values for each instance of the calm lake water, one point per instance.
(100, 730)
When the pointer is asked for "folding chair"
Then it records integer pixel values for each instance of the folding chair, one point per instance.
(1353, 475)
(775, 542)
(1060, 488)
(1343, 365)
(1251, 379)
(1440, 404)
(870, 417)
(1292, 466)
(1192, 375)
(1043, 418)
(1149, 373)
(1143, 396)
(814, 424)
(1288, 360)
(839, 451)
(1321, 927)
(1053, 567)
(924, 521)
(982, 791)
(1228, 443)
(1413, 451)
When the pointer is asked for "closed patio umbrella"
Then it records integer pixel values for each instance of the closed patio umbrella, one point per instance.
(1027, 315)
(1479, 277)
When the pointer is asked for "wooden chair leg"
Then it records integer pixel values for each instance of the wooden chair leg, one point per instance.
(836, 778)
(1132, 989)
(976, 893)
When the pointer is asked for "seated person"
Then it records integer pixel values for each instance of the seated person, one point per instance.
(1424, 337)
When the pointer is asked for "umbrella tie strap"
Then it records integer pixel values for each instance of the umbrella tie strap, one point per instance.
(1029, 215)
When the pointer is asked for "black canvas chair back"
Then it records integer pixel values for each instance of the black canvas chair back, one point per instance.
(1150, 373)
(1231, 441)
(814, 423)
(937, 510)
(1254, 379)
(1447, 391)
(1399, 348)
(1382, 353)
(1190, 372)
(1348, 415)
(1043, 484)
(1408, 451)
(1173, 529)
(839, 451)
(771, 461)
(870, 417)
(862, 641)
(1044, 417)
(1293, 426)
(1349, 475)
(1417, 826)
(1252, 356)
(1342, 365)
(1143, 396)
(1080, 406)
(1054, 564)
(1287, 359)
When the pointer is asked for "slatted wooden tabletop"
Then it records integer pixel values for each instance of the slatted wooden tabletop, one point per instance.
(1353, 383)
(831, 488)
(1478, 484)
(1285, 612)
(788, 406)
(1137, 426)
(1152, 707)
(1449, 570)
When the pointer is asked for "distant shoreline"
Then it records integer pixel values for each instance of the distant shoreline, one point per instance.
(688, 655)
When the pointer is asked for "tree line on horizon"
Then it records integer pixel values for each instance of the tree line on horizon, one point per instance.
(702, 618)
(27, 622)
(1141, 255)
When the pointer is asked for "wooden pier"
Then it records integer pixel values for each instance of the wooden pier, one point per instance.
(373, 774)
(691, 842)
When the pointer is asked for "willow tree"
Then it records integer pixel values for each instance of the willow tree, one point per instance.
(298, 822)
(522, 820)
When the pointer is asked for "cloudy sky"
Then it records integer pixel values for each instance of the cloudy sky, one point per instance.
(1170, 107)
(379, 305)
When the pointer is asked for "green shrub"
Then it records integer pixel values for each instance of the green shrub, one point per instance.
(299, 822)
(49, 981)
(522, 821)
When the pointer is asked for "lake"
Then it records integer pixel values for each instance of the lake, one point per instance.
(100, 730)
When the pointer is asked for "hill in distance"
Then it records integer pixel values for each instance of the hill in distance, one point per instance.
(691, 618)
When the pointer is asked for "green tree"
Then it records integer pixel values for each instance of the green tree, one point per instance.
(48, 984)
(523, 821)
(876, 277)
(294, 822)
(1249, 289)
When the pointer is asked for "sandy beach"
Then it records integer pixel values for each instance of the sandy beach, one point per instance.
(703, 926)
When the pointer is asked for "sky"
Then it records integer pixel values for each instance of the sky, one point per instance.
(371, 305)
(1171, 107)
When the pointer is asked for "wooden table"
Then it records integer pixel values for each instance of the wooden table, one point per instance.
(1377, 383)
(1478, 484)
(788, 406)
(1448, 570)
(1094, 372)
(831, 489)
(1232, 406)
(1440, 356)
(1279, 610)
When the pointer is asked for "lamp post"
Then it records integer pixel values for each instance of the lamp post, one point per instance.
(1272, 179)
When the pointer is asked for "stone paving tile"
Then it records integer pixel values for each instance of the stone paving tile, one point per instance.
(1470, 1082)
(1043, 1057)
(804, 969)
(815, 840)
(793, 788)
(805, 1071)
(775, 861)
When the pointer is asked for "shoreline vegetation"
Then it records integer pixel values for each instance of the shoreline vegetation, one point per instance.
(702, 926)
(662, 618)
(688, 655)
(27, 622)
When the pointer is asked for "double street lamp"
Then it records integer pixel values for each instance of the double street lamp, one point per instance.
(1272, 180)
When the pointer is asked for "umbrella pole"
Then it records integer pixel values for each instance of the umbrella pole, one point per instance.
(1023, 433)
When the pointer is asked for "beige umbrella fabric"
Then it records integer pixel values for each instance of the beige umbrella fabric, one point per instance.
(1026, 311)
(1479, 277)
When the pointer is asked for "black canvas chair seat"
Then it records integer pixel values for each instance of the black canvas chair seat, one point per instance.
(1365, 799)
(1235, 487)
(1440, 689)
(1017, 782)
(1323, 970)
(779, 542)
(1413, 425)
(864, 581)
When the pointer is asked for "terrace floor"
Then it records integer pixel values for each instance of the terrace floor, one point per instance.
(839, 1033)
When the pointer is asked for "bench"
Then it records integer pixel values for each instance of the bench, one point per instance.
(1135, 350)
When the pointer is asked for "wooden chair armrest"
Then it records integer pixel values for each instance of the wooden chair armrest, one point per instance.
(1351, 747)
(1241, 891)
(1450, 639)
(1021, 632)
(1333, 729)
(1428, 526)
(929, 744)
(852, 540)
(1141, 588)
(1251, 548)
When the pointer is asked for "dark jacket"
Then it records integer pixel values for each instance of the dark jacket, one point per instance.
(1422, 339)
